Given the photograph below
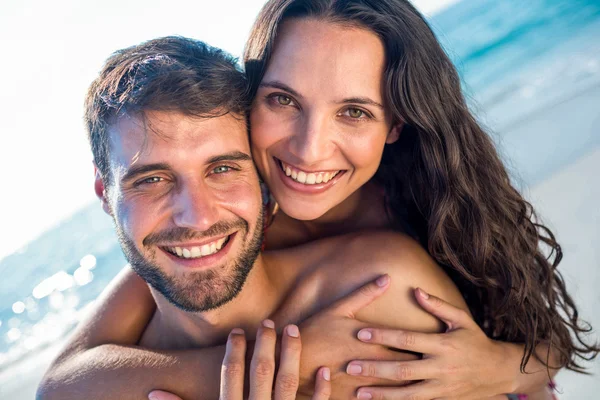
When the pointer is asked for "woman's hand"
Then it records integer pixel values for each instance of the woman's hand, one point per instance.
(262, 368)
(329, 337)
(462, 363)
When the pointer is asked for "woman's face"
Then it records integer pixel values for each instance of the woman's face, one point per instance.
(318, 124)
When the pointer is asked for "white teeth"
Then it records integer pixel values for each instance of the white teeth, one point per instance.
(301, 177)
(308, 178)
(195, 252)
(205, 250)
(199, 251)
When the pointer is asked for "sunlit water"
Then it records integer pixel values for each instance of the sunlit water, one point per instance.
(517, 57)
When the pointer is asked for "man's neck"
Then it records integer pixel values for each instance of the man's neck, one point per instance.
(173, 328)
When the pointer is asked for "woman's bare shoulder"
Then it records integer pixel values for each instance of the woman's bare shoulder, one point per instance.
(357, 258)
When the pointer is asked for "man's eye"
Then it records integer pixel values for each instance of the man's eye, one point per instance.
(150, 180)
(221, 169)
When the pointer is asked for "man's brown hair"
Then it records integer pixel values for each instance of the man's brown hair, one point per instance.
(165, 74)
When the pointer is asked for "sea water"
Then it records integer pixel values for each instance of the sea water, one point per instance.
(516, 58)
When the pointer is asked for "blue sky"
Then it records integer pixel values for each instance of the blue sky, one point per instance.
(51, 51)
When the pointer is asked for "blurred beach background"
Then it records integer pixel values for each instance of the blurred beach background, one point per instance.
(531, 70)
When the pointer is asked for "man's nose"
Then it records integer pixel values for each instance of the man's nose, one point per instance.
(312, 139)
(195, 207)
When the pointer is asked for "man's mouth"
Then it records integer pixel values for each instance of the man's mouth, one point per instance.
(305, 177)
(190, 252)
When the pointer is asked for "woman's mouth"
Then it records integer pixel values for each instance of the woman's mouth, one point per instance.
(305, 177)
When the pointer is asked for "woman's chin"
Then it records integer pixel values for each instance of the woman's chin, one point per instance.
(301, 212)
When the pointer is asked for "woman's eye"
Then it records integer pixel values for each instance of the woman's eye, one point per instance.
(355, 113)
(283, 100)
(221, 169)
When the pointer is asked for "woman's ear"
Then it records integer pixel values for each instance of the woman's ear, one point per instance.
(394, 133)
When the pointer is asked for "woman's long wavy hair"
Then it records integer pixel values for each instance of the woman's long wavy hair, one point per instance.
(445, 183)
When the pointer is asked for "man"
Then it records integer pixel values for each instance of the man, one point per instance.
(167, 126)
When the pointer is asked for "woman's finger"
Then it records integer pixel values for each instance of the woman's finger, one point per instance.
(452, 316)
(262, 366)
(360, 298)
(322, 384)
(418, 342)
(232, 369)
(288, 374)
(394, 370)
(422, 391)
(160, 395)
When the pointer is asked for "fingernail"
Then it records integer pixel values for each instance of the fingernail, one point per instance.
(354, 369)
(267, 323)
(152, 396)
(383, 280)
(364, 334)
(364, 395)
(237, 331)
(326, 374)
(292, 330)
(423, 293)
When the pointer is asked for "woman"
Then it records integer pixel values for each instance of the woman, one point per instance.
(358, 123)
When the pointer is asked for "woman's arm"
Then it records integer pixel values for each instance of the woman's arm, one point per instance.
(100, 361)
(461, 363)
(92, 369)
(263, 382)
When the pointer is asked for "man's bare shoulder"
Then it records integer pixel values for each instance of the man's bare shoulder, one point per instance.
(349, 261)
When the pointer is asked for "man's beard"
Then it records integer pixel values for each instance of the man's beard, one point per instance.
(198, 290)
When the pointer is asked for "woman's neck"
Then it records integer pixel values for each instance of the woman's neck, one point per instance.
(364, 209)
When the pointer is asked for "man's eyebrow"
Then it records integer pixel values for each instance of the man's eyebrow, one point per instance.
(138, 170)
(281, 86)
(233, 156)
(362, 100)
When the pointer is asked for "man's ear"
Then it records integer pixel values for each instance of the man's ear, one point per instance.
(394, 133)
(100, 190)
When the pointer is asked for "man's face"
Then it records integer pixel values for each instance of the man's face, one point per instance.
(186, 203)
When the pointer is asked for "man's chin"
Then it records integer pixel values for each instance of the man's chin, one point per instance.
(199, 291)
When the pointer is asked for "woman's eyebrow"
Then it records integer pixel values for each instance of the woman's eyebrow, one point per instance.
(362, 100)
(281, 86)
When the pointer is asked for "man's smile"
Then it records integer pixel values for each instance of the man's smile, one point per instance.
(197, 250)
(205, 255)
